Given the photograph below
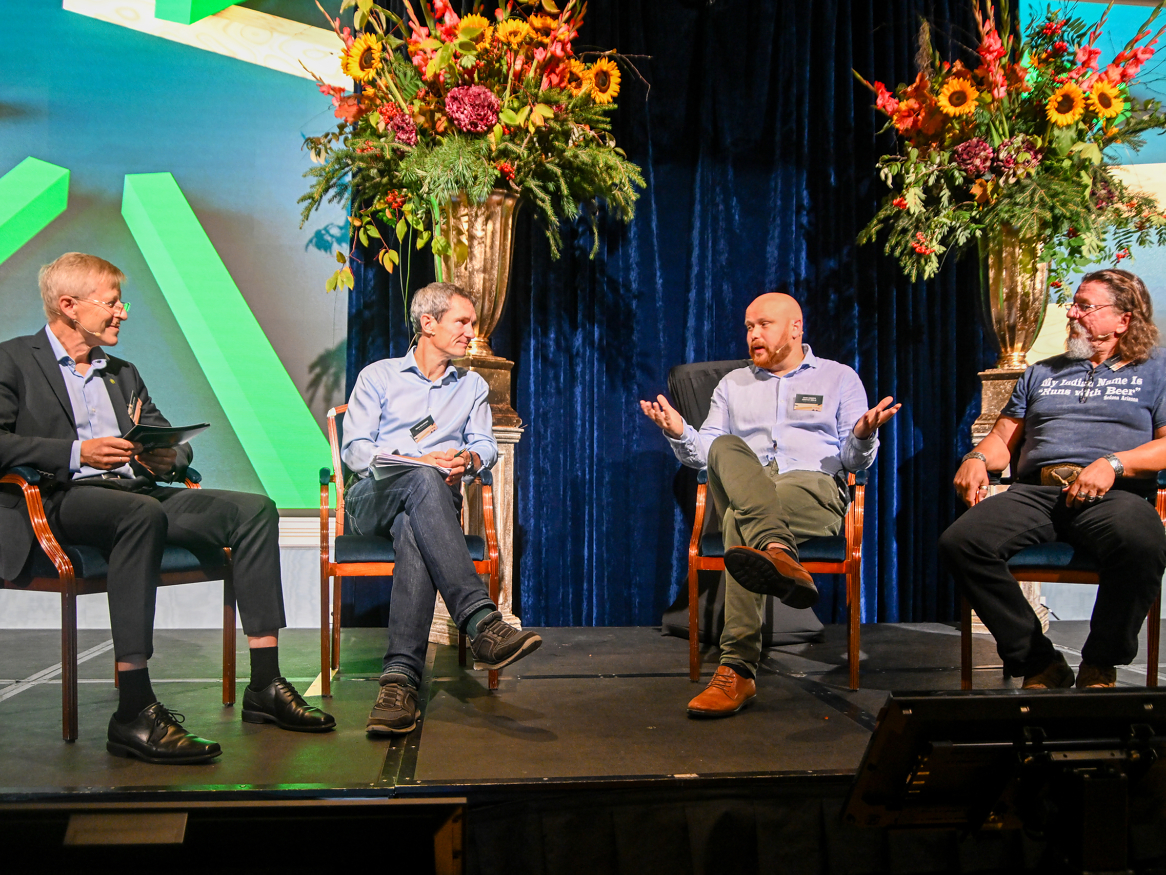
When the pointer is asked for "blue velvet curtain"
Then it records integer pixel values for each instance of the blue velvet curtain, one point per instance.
(758, 147)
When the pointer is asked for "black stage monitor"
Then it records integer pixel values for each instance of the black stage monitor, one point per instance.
(1004, 758)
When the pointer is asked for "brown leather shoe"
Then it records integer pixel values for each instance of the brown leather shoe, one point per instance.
(1055, 676)
(727, 693)
(772, 572)
(1096, 676)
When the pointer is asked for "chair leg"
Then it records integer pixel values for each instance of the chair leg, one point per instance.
(325, 635)
(1153, 633)
(693, 626)
(69, 666)
(965, 644)
(337, 586)
(229, 639)
(495, 594)
(853, 623)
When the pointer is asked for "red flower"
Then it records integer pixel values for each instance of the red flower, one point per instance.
(1125, 253)
(991, 49)
(900, 202)
(473, 108)
(884, 99)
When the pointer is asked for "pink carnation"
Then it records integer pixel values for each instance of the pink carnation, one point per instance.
(473, 108)
(402, 125)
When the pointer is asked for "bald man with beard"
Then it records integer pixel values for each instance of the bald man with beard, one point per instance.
(779, 439)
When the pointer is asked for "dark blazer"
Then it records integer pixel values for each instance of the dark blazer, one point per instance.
(37, 429)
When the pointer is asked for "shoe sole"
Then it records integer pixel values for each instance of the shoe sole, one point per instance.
(264, 717)
(758, 574)
(712, 715)
(381, 729)
(528, 647)
(123, 750)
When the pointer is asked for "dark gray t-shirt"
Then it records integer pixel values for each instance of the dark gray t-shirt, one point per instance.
(1075, 413)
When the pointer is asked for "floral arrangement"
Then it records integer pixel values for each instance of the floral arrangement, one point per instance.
(447, 106)
(1019, 140)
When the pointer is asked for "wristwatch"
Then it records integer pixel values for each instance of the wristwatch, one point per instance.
(1118, 468)
(469, 472)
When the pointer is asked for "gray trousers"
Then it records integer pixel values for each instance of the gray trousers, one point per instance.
(758, 506)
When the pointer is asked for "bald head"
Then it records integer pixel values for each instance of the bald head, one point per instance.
(773, 326)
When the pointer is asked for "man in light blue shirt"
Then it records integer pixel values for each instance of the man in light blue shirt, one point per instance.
(424, 407)
(777, 435)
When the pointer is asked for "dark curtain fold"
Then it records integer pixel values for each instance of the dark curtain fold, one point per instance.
(759, 148)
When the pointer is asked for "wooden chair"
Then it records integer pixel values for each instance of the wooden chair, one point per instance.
(841, 554)
(81, 570)
(374, 556)
(1059, 562)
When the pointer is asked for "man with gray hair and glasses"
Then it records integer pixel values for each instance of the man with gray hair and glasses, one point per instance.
(1090, 427)
(64, 404)
(423, 406)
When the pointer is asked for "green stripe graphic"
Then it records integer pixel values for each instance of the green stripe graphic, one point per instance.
(267, 412)
(188, 11)
(32, 194)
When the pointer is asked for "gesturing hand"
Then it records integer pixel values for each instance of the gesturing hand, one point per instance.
(876, 417)
(664, 415)
(107, 453)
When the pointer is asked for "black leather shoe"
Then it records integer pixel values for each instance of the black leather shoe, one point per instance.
(156, 737)
(279, 703)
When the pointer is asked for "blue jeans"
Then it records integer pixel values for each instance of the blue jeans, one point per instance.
(420, 512)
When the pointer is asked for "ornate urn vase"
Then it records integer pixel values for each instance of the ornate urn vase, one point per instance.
(487, 230)
(1014, 292)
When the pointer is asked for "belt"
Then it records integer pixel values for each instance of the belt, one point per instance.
(1060, 475)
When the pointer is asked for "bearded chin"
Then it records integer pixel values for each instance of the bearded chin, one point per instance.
(1078, 346)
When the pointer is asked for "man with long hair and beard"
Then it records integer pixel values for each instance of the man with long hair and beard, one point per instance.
(1090, 427)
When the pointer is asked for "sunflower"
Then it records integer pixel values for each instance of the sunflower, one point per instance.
(1106, 100)
(512, 31)
(603, 77)
(958, 97)
(362, 59)
(478, 22)
(543, 25)
(576, 76)
(1066, 105)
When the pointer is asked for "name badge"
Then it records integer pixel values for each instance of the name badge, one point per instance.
(808, 402)
(423, 429)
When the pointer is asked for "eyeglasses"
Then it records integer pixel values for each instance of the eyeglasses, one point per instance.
(1085, 309)
(112, 308)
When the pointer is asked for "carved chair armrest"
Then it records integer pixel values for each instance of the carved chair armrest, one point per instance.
(27, 479)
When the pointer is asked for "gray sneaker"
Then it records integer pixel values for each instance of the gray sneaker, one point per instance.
(395, 711)
(498, 643)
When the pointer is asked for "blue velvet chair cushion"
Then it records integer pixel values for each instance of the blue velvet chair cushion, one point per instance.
(371, 548)
(814, 550)
(89, 562)
(1055, 554)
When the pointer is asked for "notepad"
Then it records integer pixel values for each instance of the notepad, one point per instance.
(156, 437)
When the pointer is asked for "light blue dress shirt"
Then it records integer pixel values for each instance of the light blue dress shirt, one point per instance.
(804, 420)
(92, 407)
(392, 395)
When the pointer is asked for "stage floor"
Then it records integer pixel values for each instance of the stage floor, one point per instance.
(593, 706)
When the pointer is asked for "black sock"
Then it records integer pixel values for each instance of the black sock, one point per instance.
(264, 666)
(742, 671)
(134, 694)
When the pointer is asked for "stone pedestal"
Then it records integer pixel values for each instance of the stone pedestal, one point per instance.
(996, 388)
